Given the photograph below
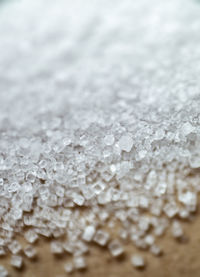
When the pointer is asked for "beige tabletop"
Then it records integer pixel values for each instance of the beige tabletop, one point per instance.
(179, 259)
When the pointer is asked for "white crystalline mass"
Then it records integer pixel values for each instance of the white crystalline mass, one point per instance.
(99, 121)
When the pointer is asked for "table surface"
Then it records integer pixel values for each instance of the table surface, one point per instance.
(179, 259)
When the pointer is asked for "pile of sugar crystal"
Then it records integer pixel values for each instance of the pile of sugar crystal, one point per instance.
(99, 108)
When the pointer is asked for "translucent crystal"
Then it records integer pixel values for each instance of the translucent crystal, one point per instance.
(176, 229)
(188, 198)
(160, 189)
(68, 267)
(30, 177)
(142, 154)
(137, 261)
(126, 143)
(1, 182)
(16, 213)
(109, 140)
(24, 142)
(78, 199)
(2, 251)
(67, 141)
(149, 239)
(56, 247)
(171, 209)
(98, 187)
(13, 187)
(30, 252)
(16, 261)
(159, 134)
(101, 237)
(14, 247)
(79, 262)
(194, 160)
(3, 272)
(155, 250)
(88, 233)
(187, 128)
(43, 163)
(31, 236)
(115, 248)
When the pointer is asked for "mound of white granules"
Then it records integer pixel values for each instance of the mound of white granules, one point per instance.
(99, 124)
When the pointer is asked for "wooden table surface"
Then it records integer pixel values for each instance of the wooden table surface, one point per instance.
(179, 259)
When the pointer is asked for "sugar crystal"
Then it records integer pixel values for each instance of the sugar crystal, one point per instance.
(31, 236)
(88, 233)
(3, 272)
(79, 262)
(126, 143)
(56, 247)
(30, 252)
(16, 261)
(115, 248)
(137, 261)
(101, 237)
(68, 267)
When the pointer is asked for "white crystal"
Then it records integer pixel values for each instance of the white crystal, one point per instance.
(142, 154)
(30, 252)
(79, 199)
(98, 187)
(115, 248)
(101, 237)
(43, 163)
(155, 250)
(188, 198)
(2, 251)
(16, 261)
(31, 236)
(160, 189)
(88, 233)
(137, 261)
(56, 247)
(79, 262)
(194, 160)
(126, 143)
(109, 140)
(149, 239)
(176, 229)
(187, 128)
(1, 182)
(3, 272)
(68, 267)
(14, 247)
(171, 209)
